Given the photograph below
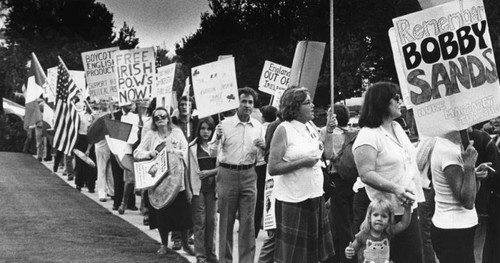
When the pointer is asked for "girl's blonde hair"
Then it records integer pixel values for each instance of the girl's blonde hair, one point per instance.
(382, 205)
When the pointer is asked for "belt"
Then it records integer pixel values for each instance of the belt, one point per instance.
(236, 167)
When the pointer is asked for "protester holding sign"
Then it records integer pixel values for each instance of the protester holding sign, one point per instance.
(177, 215)
(385, 159)
(454, 181)
(241, 140)
(303, 231)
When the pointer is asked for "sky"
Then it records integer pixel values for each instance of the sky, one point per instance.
(158, 22)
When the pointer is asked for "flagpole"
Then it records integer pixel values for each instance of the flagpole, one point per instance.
(85, 101)
(331, 56)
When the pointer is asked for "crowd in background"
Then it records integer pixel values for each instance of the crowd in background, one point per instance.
(342, 194)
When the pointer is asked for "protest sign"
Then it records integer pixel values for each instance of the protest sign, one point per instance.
(306, 65)
(274, 77)
(276, 98)
(52, 80)
(448, 65)
(269, 216)
(135, 75)
(78, 77)
(215, 87)
(148, 173)
(164, 83)
(100, 73)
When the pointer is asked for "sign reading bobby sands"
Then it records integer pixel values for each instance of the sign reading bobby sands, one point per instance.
(100, 73)
(135, 74)
(449, 67)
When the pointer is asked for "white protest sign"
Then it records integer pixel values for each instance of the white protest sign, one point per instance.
(215, 87)
(274, 77)
(269, 215)
(135, 75)
(448, 66)
(100, 73)
(164, 83)
(276, 98)
(148, 173)
(52, 80)
(78, 77)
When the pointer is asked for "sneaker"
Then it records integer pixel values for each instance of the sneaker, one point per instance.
(70, 177)
(177, 245)
(102, 199)
(91, 191)
(79, 188)
(115, 208)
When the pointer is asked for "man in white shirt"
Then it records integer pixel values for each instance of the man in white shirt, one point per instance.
(241, 148)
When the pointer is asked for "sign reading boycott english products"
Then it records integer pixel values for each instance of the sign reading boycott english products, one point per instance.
(100, 74)
(135, 75)
(448, 67)
(274, 77)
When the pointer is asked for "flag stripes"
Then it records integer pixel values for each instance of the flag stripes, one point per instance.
(67, 120)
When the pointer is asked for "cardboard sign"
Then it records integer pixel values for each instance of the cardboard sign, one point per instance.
(165, 81)
(269, 216)
(448, 66)
(135, 75)
(52, 80)
(100, 74)
(274, 77)
(215, 87)
(148, 173)
(306, 65)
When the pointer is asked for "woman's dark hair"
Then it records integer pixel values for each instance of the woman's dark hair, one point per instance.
(153, 123)
(269, 113)
(342, 114)
(376, 104)
(211, 125)
(152, 107)
(291, 101)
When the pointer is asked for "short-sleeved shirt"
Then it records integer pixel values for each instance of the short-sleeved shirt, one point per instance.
(306, 182)
(373, 249)
(237, 143)
(396, 162)
(449, 212)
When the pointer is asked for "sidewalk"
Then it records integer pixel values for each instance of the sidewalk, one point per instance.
(135, 219)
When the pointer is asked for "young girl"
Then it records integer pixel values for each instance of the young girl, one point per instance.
(203, 171)
(372, 242)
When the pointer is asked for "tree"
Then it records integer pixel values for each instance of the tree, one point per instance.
(50, 29)
(126, 38)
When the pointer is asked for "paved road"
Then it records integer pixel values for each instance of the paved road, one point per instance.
(45, 219)
(42, 219)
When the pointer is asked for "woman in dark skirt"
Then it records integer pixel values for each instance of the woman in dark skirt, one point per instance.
(303, 232)
(176, 215)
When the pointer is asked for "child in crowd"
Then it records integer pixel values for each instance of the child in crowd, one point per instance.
(371, 244)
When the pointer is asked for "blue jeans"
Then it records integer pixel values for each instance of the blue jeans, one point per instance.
(236, 191)
(453, 245)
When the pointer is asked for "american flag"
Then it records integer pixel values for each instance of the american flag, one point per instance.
(66, 117)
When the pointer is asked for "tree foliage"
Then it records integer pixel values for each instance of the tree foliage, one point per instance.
(257, 30)
(52, 28)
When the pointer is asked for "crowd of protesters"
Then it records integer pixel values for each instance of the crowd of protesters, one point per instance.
(397, 201)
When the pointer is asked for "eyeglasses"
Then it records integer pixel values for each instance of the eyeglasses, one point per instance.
(159, 117)
(396, 97)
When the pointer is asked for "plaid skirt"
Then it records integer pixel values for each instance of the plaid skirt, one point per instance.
(303, 232)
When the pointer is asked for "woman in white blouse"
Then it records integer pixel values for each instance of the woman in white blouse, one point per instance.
(303, 232)
(386, 162)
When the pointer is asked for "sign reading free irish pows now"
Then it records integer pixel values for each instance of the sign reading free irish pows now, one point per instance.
(135, 75)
